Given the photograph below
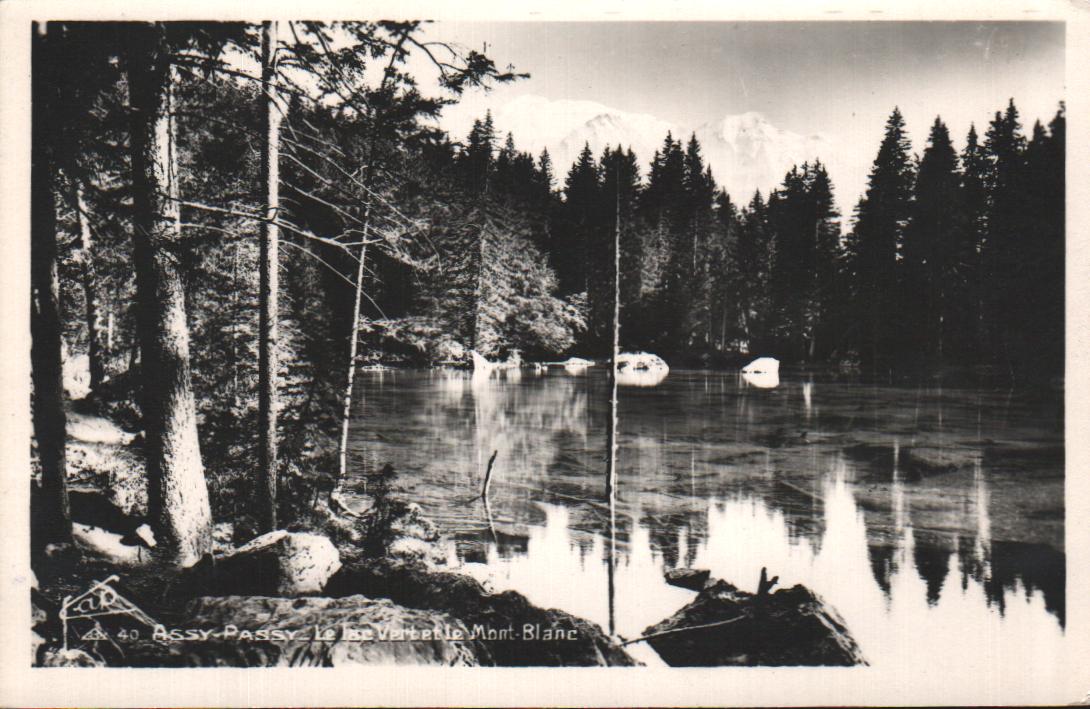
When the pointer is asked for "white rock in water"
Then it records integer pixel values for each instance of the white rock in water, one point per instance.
(763, 365)
(576, 365)
(641, 369)
(640, 361)
(762, 380)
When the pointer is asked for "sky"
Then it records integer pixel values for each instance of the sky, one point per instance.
(837, 79)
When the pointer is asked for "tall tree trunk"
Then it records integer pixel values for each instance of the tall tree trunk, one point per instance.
(353, 348)
(267, 403)
(92, 311)
(353, 345)
(611, 430)
(177, 492)
(51, 520)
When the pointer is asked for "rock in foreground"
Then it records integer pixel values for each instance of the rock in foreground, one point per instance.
(507, 629)
(279, 563)
(790, 627)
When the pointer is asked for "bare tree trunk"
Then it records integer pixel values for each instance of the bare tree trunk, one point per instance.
(353, 347)
(178, 505)
(51, 522)
(611, 430)
(92, 312)
(269, 289)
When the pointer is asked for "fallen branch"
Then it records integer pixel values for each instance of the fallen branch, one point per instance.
(488, 476)
(682, 630)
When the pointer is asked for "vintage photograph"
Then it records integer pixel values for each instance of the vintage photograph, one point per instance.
(548, 344)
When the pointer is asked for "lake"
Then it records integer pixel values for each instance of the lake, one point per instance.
(932, 519)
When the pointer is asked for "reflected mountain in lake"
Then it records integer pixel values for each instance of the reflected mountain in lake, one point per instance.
(925, 516)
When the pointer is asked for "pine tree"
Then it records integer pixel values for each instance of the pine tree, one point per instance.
(503, 176)
(792, 269)
(716, 290)
(269, 319)
(546, 180)
(177, 493)
(936, 253)
(476, 161)
(573, 251)
(50, 512)
(1006, 309)
(822, 313)
(973, 202)
(752, 258)
(1042, 347)
(874, 248)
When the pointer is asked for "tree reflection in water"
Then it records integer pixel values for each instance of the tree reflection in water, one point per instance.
(928, 518)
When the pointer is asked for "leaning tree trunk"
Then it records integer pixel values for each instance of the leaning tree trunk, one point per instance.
(92, 312)
(177, 493)
(361, 270)
(353, 348)
(267, 403)
(51, 519)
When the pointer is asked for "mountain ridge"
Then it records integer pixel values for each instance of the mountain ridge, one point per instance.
(745, 151)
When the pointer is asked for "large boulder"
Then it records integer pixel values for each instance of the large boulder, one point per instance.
(641, 369)
(508, 629)
(279, 563)
(255, 631)
(725, 626)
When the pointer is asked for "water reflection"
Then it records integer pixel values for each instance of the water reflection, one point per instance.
(929, 519)
(762, 380)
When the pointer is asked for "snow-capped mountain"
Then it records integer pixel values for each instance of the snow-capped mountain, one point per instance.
(564, 127)
(746, 152)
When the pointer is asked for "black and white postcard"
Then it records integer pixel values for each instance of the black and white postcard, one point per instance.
(495, 355)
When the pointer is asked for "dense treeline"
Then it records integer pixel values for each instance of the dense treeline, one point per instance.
(950, 260)
(151, 199)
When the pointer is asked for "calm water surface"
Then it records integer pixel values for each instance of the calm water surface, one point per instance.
(931, 519)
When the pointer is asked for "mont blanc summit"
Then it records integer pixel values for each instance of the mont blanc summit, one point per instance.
(746, 151)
